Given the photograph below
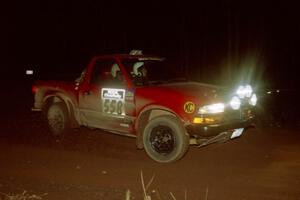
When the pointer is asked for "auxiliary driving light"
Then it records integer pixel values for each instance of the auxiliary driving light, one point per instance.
(244, 91)
(235, 103)
(253, 100)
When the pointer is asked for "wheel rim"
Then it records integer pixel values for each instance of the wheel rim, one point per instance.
(162, 140)
(56, 120)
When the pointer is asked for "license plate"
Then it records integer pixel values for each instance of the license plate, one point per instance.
(237, 132)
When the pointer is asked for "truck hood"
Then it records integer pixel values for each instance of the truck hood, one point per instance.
(195, 90)
(177, 94)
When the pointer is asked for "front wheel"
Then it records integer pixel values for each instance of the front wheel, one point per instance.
(165, 139)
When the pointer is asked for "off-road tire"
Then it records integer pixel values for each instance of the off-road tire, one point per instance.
(165, 139)
(57, 119)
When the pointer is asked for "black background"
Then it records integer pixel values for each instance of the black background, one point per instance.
(219, 42)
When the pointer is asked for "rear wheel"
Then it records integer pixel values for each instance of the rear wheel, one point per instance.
(165, 139)
(57, 119)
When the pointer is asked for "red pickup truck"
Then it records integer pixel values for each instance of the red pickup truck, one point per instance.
(133, 95)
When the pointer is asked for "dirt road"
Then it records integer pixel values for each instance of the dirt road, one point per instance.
(90, 164)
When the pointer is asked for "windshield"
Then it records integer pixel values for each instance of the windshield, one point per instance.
(152, 71)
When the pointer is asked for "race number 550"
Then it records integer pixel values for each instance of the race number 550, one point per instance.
(113, 106)
(113, 101)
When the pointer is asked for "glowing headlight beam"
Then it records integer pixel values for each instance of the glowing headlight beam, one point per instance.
(235, 103)
(212, 109)
(253, 100)
(248, 91)
(241, 91)
(244, 91)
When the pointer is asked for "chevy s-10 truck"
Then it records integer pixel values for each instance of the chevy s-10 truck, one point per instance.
(132, 95)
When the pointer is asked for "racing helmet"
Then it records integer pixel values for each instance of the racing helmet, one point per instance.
(114, 70)
(136, 67)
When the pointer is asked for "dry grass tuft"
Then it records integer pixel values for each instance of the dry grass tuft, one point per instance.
(21, 196)
(147, 195)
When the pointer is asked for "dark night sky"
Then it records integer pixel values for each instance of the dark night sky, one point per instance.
(213, 42)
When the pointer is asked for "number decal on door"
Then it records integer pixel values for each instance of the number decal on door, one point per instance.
(113, 101)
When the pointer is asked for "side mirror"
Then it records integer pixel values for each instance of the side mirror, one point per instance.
(80, 79)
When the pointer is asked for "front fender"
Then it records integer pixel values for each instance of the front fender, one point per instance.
(148, 113)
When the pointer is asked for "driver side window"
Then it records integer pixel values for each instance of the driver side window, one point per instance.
(106, 72)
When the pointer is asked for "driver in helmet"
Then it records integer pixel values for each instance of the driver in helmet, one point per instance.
(139, 69)
(140, 73)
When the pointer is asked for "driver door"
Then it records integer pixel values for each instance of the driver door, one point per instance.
(102, 100)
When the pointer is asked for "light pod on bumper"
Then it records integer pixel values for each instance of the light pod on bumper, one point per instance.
(244, 91)
(253, 100)
(235, 103)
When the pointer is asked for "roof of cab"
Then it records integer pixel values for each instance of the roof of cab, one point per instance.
(129, 56)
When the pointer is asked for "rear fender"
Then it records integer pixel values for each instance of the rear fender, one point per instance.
(69, 102)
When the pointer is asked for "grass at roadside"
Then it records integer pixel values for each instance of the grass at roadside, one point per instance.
(21, 196)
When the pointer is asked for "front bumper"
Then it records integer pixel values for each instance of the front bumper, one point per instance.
(229, 121)
(215, 129)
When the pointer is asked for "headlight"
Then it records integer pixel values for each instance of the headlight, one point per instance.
(253, 100)
(244, 91)
(235, 103)
(212, 109)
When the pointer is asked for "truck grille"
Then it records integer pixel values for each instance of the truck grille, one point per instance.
(242, 114)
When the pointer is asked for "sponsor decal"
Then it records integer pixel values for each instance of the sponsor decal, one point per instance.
(112, 93)
(189, 107)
